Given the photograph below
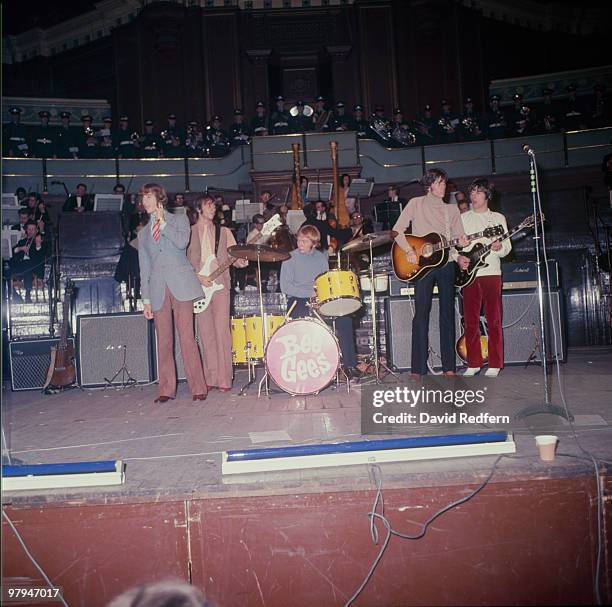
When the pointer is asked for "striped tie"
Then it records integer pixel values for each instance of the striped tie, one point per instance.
(156, 231)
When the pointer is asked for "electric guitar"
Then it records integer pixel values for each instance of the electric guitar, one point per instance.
(62, 371)
(461, 345)
(201, 304)
(478, 254)
(431, 250)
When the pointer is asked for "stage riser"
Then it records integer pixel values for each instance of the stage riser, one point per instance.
(517, 542)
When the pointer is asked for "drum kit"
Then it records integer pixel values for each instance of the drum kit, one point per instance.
(302, 356)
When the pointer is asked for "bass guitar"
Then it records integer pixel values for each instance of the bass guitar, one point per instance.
(201, 304)
(62, 370)
(431, 250)
(478, 254)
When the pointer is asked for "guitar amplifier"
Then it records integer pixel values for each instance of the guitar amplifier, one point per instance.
(400, 288)
(30, 361)
(524, 275)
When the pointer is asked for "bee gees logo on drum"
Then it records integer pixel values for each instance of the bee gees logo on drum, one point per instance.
(302, 358)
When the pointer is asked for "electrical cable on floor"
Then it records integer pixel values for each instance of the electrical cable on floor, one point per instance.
(34, 562)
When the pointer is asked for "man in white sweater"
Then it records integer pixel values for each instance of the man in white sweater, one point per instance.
(486, 288)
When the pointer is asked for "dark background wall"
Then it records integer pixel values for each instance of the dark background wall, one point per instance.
(197, 62)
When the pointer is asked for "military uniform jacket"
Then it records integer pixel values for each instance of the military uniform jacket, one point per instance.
(300, 124)
(123, 143)
(43, 141)
(239, 133)
(280, 122)
(67, 143)
(15, 139)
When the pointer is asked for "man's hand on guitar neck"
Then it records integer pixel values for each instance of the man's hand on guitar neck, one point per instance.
(464, 241)
(496, 245)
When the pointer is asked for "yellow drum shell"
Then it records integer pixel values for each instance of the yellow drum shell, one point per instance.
(247, 336)
(337, 293)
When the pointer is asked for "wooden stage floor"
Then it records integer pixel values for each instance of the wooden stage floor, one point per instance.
(174, 450)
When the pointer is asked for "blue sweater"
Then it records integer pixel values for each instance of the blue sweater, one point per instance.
(299, 272)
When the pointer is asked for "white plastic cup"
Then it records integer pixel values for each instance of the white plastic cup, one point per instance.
(547, 443)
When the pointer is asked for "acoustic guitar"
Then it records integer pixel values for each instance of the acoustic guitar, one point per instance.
(478, 254)
(62, 370)
(432, 251)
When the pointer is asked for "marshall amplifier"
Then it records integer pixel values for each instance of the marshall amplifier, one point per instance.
(524, 275)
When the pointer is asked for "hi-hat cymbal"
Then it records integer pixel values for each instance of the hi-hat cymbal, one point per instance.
(253, 252)
(363, 242)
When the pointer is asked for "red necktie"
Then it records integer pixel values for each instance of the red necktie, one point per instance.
(156, 231)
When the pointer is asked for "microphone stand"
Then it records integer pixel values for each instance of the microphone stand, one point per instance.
(547, 406)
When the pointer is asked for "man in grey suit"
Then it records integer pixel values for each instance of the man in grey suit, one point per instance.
(168, 286)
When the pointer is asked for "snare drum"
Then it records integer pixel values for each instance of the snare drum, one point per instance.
(337, 293)
(247, 336)
(302, 356)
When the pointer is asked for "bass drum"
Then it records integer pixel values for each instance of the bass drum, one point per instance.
(302, 357)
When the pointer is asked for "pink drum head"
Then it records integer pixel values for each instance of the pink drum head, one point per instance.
(302, 357)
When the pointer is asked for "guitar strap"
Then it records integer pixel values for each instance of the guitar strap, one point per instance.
(217, 237)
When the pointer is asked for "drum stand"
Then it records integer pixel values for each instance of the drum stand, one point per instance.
(374, 357)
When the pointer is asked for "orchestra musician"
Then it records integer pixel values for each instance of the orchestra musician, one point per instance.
(427, 214)
(486, 290)
(297, 279)
(169, 286)
(210, 241)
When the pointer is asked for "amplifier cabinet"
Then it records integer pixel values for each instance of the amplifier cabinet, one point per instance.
(29, 362)
(520, 319)
(107, 341)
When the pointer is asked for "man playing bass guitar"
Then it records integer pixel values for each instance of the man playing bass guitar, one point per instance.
(430, 213)
(485, 289)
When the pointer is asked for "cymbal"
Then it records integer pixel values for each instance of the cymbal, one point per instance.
(253, 252)
(363, 242)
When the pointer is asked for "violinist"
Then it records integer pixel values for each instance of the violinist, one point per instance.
(29, 258)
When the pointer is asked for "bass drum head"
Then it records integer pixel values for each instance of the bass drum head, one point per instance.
(302, 356)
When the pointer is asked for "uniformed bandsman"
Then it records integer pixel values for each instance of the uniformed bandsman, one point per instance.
(341, 121)
(401, 132)
(195, 145)
(125, 140)
(470, 129)
(573, 114)
(15, 136)
(216, 139)
(239, 132)
(87, 139)
(67, 145)
(600, 108)
(547, 113)
(494, 120)
(259, 122)
(321, 117)
(448, 124)
(426, 127)
(173, 139)
(43, 137)
(358, 123)
(106, 147)
(280, 118)
(150, 142)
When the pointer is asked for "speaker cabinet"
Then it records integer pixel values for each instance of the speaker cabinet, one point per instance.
(520, 319)
(30, 360)
(521, 322)
(108, 342)
(400, 312)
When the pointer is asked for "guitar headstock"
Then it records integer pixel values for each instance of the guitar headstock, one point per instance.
(271, 225)
(493, 231)
(530, 221)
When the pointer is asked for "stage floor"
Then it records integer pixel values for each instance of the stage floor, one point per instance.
(173, 451)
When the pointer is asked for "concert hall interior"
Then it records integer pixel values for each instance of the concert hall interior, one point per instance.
(306, 302)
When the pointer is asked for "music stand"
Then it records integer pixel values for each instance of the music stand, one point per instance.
(319, 191)
(108, 202)
(360, 188)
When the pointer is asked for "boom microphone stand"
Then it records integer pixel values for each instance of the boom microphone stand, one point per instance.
(547, 406)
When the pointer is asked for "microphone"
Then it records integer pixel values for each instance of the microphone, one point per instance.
(527, 149)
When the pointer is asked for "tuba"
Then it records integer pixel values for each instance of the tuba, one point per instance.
(403, 135)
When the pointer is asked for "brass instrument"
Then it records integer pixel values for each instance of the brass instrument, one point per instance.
(403, 135)
(308, 111)
(320, 121)
(448, 125)
(297, 202)
(381, 127)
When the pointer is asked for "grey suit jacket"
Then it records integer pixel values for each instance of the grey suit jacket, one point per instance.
(164, 263)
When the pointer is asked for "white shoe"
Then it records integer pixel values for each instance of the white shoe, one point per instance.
(471, 371)
(492, 372)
